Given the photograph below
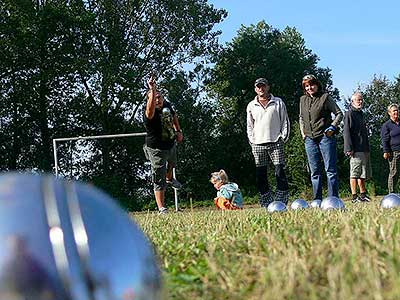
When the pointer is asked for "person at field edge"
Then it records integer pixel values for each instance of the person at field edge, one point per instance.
(268, 128)
(356, 146)
(229, 196)
(318, 131)
(163, 129)
(390, 136)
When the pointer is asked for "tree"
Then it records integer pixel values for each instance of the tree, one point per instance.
(281, 57)
(377, 95)
(196, 117)
(35, 74)
(73, 68)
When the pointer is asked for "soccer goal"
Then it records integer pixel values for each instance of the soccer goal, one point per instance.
(97, 137)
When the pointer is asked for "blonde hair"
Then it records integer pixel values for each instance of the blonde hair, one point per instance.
(219, 176)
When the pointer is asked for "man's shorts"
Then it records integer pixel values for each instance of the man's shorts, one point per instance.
(360, 165)
(274, 151)
(158, 160)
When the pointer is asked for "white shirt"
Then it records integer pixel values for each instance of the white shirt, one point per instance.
(267, 124)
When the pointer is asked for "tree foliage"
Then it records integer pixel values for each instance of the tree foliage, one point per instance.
(72, 68)
(78, 68)
(377, 95)
(280, 56)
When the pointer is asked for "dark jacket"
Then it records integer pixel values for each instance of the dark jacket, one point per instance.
(315, 114)
(355, 132)
(390, 135)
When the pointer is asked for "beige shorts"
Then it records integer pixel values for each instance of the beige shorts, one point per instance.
(159, 160)
(360, 165)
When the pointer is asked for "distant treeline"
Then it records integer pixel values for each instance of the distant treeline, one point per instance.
(78, 68)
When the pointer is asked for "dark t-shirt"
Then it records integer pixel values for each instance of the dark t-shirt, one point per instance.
(160, 130)
(355, 132)
(390, 135)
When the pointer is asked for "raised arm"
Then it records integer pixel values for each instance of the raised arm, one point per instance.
(151, 98)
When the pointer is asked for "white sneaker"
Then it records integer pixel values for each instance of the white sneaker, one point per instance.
(163, 211)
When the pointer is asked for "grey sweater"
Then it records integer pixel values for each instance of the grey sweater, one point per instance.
(267, 124)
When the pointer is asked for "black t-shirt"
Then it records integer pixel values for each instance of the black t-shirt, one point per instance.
(160, 129)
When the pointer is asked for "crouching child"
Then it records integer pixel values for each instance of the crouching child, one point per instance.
(228, 196)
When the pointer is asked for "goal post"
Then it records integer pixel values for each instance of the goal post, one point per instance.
(97, 137)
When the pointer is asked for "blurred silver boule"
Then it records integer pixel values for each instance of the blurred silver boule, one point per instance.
(390, 201)
(67, 240)
(316, 203)
(332, 203)
(299, 204)
(276, 206)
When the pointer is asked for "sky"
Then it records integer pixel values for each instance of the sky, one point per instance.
(356, 39)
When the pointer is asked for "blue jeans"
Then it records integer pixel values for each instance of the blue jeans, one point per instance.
(318, 150)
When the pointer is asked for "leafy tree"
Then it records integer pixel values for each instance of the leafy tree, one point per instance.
(281, 57)
(129, 41)
(35, 75)
(73, 68)
(196, 116)
(378, 94)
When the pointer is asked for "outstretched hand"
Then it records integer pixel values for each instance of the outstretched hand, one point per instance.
(151, 83)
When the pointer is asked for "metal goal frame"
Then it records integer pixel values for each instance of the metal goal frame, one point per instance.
(97, 137)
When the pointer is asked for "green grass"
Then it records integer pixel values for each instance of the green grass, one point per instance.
(251, 254)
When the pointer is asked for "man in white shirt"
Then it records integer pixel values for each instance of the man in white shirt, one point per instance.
(268, 128)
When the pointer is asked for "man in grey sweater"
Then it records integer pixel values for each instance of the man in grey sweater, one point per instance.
(268, 128)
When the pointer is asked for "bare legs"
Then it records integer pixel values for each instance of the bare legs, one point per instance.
(361, 184)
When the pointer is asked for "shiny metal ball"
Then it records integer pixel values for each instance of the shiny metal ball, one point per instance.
(299, 204)
(316, 203)
(166, 111)
(390, 201)
(68, 240)
(332, 203)
(276, 206)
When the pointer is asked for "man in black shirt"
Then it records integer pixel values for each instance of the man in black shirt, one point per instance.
(162, 127)
(356, 146)
(390, 135)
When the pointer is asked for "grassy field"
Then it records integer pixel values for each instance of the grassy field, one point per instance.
(251, 254)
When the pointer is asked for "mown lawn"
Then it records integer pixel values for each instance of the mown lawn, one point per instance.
(251, 254)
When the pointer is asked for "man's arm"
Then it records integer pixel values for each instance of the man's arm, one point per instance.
(250, 125)
(151, 99)
(177, 127)
(385, 137)
(348, 145)
(285, 123)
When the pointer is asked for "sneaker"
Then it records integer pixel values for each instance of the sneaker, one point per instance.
(365, 198)
(174, 183)
(163, 211)
(356, 200)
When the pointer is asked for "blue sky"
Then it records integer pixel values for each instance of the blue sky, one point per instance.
(354, 38)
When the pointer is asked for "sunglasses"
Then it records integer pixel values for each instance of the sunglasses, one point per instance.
(309, 77)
